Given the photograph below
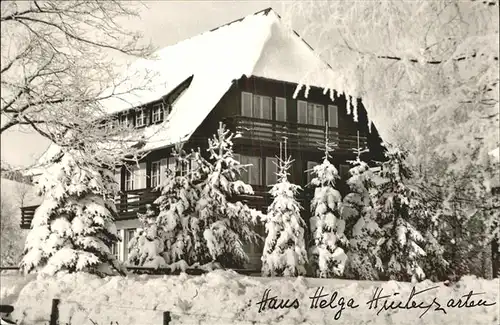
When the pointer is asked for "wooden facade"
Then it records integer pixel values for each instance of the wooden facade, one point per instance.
(263, 112)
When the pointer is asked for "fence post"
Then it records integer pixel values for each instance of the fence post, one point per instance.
(54, 313)
(166, 318)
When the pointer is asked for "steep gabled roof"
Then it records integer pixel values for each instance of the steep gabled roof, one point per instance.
(258, 45)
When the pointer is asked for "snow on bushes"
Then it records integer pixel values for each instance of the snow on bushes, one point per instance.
(327, 226)
(284, 248)
(73, 229)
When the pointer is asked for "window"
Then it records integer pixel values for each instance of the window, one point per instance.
(114, 250)
(310, 166)
(344, 171)
(135, 177)
(141, 118)
(256, 106)
(250, 174)
(129, 234)
(271, 170)
(159, 170)
(158, 112)
(126, 121)
(280, 109)
(155, 173)
(310, 113)
(262, 106)
(333, 116)
(246, 104)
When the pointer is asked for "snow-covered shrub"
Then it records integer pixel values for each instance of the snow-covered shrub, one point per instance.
(73, 229)
(182, 231)
(361, 226)
(146, 247)
(284, 248)
(397, 208)
(327, 226)
(227, 222)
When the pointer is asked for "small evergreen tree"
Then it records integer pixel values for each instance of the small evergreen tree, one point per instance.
(327, 226)
(284, 248)
(183, 234)
(362, 228)
(227, 221)
(400, 246)
(73, 229)
(146, 247)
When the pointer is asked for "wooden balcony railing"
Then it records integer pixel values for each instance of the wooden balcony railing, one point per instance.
(299, 136)
(129, 203)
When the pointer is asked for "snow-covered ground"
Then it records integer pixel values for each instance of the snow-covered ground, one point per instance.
(223, 297)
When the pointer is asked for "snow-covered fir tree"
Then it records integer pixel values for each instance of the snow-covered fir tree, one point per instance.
(361, 226)
(73, 229)
(183, 234)
(400, 246)
(327, 226)
(227, 222)
(284, 248)
(146, 247)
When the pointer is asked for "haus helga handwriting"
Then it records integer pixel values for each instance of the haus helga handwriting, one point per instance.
(379, 302)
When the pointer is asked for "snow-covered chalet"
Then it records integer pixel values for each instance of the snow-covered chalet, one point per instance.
(245, 74)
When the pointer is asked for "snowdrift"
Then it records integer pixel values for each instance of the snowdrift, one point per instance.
(223, 297)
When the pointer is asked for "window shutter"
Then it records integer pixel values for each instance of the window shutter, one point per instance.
(246, 104)
(255, 171)
(118, 177)
(271, 170)
(333, 117)
(280, 109)
(267, 106)
(301, 112)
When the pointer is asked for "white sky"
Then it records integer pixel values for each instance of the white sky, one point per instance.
(163, 23)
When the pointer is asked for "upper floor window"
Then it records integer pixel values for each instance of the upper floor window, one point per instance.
(141, 118)
(281, 109)
(256, 106)
(333, 116)
(158, 112)
(126, 121)
(250, 174)
(310, 113)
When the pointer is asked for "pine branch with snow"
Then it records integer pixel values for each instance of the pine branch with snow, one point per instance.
(284, 248)
(361, 225)
(227, 222)
(182, 230)
(327, 225)
(146, 247)
(73, 229)
(400, 246)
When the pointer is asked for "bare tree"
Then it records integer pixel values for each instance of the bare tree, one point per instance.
(427, 71)
(57, 67)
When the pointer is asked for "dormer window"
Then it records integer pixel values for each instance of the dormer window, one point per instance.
(158, 112)
(141, 118)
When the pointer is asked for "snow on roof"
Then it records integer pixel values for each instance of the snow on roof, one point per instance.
(258, 45)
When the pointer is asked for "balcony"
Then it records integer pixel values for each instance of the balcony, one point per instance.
(129, 203)
(299, 136)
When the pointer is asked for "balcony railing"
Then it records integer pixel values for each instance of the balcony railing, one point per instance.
(129, 203)
(299, 136)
